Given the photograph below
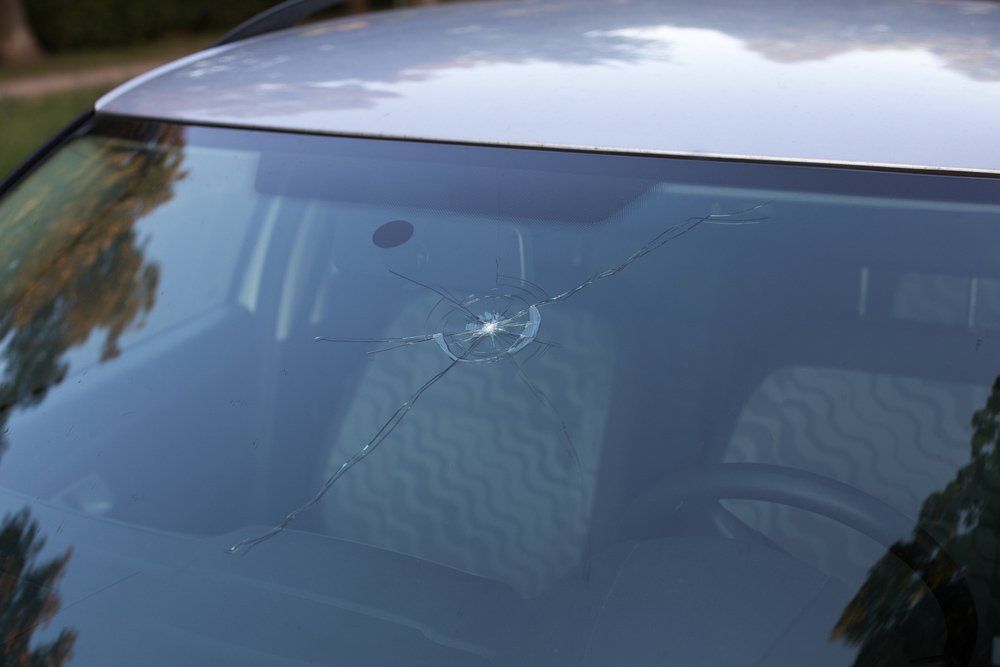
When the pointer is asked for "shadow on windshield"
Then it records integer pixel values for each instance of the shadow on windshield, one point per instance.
(71, 264)
(893, 616)
(28, 596)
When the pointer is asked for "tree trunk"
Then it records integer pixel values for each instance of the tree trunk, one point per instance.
(17, 43)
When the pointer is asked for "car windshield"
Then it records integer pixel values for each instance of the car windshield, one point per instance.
(269, 398)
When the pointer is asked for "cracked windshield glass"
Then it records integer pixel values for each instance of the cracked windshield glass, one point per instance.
(282, 399)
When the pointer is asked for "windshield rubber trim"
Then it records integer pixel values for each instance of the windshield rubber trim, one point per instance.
(967, 172)
(28, 165)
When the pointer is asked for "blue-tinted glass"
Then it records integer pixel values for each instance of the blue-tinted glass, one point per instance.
(284, 399)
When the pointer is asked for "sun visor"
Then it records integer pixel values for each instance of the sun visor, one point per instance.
(469, 187)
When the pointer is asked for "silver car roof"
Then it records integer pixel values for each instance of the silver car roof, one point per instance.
(912, 83)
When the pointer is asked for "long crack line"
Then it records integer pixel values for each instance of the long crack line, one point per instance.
(489, 326)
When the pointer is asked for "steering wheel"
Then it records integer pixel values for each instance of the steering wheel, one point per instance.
(821, 495)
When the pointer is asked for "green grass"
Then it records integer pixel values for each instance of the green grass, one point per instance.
(28, 123)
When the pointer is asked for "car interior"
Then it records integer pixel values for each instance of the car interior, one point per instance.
(659, 476)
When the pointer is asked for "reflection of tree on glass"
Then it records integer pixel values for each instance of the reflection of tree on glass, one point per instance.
(71, 262)
(893, 617)
(28, 596)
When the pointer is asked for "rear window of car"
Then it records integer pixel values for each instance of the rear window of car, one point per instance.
(297, 399)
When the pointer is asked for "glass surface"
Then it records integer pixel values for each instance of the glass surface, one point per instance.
(279, 399)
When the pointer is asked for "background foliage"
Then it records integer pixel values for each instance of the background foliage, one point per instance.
(70, 24)
(63, 25)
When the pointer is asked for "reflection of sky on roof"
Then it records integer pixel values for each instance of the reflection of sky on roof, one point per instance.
(511, 72)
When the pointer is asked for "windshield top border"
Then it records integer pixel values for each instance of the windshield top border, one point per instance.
(593, 150)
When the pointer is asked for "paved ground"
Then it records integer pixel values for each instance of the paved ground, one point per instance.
(47, 84)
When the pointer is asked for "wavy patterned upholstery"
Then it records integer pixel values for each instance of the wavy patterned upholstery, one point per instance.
(897, 438)
(477, 477)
